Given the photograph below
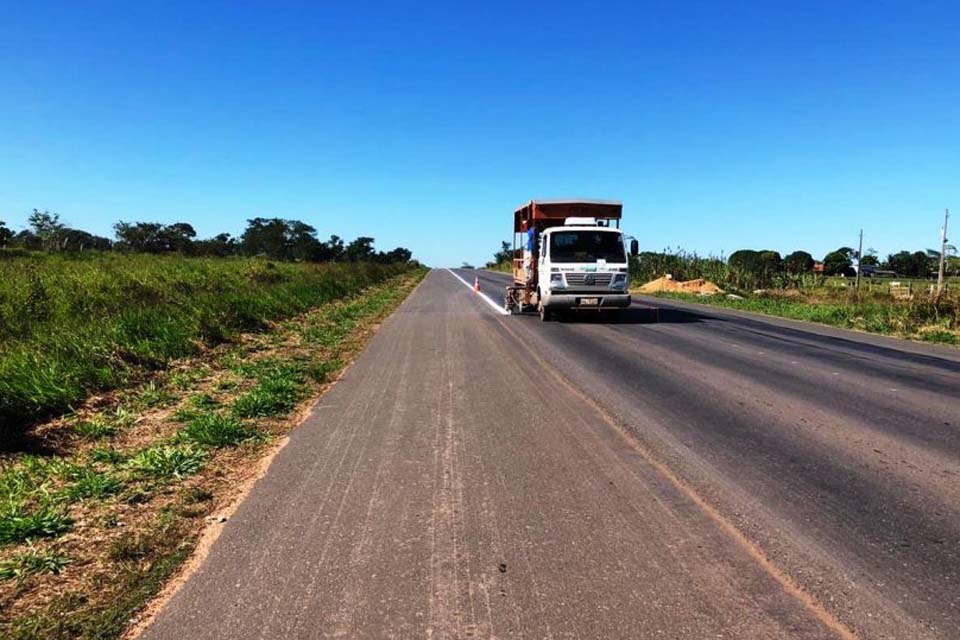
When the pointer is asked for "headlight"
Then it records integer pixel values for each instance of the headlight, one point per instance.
(619, 281)
(556, 280)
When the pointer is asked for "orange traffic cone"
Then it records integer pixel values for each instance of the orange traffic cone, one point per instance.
(476, 284)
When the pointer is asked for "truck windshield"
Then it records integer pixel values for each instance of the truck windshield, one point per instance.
(586, 246)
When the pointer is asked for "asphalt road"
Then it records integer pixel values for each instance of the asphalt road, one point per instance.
(685, 473)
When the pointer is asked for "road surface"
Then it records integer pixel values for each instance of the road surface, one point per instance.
(685, 473)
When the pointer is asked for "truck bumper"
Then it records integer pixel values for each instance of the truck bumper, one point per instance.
(569, 300)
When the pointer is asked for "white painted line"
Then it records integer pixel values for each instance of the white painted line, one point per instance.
(485, 297)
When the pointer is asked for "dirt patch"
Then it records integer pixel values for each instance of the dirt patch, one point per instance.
(667, 283)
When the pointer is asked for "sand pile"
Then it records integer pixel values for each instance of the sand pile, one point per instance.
(667, 283)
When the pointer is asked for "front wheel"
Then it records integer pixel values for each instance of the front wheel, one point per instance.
(545, 314)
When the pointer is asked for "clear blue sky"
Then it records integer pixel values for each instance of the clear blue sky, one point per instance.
(720, 125)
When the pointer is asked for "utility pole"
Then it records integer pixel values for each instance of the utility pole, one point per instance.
(943, 253)
(859, 260)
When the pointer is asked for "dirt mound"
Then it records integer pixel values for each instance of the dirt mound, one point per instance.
(667, 283)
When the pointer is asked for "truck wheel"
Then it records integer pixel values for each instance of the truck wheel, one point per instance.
(545, 314)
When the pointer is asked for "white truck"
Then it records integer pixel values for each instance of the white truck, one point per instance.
(569, 255)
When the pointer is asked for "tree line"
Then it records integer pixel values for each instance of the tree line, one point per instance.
(767, 266)
(275, 238)
(758, 269)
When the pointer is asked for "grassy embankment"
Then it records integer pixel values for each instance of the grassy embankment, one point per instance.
(874, 311)
(196, 367)
(71, 327)
(833, 301)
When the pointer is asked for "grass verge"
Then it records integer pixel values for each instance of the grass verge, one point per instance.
(89, 533)
(73, 326)
(913, 319)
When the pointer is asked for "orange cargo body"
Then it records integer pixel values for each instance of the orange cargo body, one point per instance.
(543, 214)
(551, 213)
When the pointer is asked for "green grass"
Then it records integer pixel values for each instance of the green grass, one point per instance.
(169, 461)
(71, 326)
(37, 493)
(216, 430)
(321, 371)
(153, 395)
(106, 455)
(502, 267)
(105, 425)
(95, 429)
(875, 313)
(144, 563)
(90, 483)
(20, 524)
(278, 390)
(31, 562)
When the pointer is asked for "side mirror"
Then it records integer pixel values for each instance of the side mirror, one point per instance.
(634, 248)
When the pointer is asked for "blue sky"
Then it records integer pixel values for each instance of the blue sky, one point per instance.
(720, 125)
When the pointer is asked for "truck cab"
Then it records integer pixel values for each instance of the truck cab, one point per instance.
(582, 266)
(569, 254)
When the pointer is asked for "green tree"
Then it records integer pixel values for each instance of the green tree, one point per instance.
(178, 237)
(27, 239)
(836, 262)
(870, 259)
(360, 250)
(280, 239)
(798, 262)
(332, 250)
(220, 245)
(771, 267)
(141, 237)
(79, 240)
(47, 227)
(505, 255)
(909, 264)
(755, 269)
(952, 266)
(5, 233)
(155, 237)
(398, 255)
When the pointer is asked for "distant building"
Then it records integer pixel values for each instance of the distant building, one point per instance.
(868, 271)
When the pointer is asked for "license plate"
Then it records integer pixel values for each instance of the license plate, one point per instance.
(589, 302)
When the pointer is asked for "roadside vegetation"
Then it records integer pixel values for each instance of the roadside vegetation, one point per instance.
(197, 368)
(763, 282)
(76, 325)
(503, 259)
(141, 380)
(876, 312)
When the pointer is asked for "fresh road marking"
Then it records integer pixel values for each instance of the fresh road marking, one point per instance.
(486, 298)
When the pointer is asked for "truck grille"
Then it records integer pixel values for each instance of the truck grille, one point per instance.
(588, 279)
